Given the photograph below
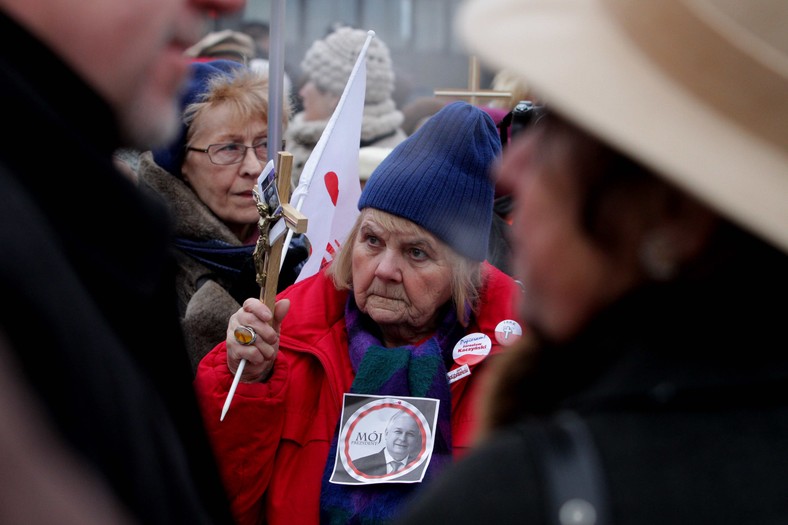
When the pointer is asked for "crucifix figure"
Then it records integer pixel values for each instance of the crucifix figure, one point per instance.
(262, 249)
(276, 216)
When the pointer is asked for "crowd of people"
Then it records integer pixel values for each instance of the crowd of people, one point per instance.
(408, 305)
(568, 318)
(206, 177)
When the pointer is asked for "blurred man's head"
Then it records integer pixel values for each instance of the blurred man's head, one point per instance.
(131, 53)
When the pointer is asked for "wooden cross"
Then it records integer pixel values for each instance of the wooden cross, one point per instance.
(268, 251)
(473, 92)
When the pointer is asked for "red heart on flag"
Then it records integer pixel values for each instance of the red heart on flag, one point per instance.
(332, 185)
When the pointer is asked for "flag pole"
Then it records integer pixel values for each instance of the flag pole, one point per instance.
(303, 184)
(276, 78)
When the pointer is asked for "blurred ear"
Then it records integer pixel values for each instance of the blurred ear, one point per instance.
(679, 235)
(694, 225)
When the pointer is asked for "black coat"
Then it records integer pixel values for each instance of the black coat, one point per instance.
(685, 392)
(92, 317)
(372, 465)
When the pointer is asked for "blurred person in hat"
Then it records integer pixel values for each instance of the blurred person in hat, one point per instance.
(407, 310)
(206, 177)
(417, 111)
(225, 45)
(260, 31)
(88, 317)
(369, 158)
(650, 235)
(326, 68)
(237, 46)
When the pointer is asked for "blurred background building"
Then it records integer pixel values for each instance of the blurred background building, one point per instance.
(419, 34)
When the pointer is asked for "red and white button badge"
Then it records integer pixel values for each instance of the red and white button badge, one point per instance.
(471, 349)
(508, 332)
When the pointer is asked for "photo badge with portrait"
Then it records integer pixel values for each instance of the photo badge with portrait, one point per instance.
(266, 187)
(384, 439)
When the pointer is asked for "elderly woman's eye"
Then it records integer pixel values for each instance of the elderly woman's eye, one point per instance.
(371, 239)
(417, 253)
(230, 148)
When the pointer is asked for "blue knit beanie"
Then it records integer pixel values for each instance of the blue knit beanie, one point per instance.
(439, 178)
(171, 157)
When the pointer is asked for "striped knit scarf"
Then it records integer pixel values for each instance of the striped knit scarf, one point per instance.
(417, 371)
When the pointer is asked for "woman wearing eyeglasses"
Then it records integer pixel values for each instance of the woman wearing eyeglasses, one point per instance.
(206, 177)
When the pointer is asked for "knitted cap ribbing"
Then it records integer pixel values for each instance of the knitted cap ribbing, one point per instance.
(439, 178)
(329, 62)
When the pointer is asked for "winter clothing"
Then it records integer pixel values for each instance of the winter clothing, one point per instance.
(455, 202)
(275, 440)
(369, 158)
(211, 283)
(90, 319)
(685, 391)
(724, 139)
(499, 249)
(328, 63)
(416, 370)
(216, 271)
(225, 44)
(377, 129)
(682, 383)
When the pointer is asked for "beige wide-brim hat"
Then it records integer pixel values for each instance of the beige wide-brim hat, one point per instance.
(695, 89)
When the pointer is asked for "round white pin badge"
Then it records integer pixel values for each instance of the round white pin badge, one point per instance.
(472, 348)
(508, 332)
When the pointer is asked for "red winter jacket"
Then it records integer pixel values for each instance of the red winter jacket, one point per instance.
(274, 441)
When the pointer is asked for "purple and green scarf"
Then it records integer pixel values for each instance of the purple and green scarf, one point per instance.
(413, 371)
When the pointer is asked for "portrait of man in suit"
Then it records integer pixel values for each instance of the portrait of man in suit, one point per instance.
(403, 441)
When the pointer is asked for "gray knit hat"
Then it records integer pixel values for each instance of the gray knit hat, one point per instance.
(329, 61)
(439, 178)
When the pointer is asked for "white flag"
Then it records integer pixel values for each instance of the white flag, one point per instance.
(329, 187)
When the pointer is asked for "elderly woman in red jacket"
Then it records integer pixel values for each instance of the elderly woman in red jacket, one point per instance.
(407, 317)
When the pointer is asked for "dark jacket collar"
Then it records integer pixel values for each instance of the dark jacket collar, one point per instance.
(716, 340)
(64, 135)
(59, 105)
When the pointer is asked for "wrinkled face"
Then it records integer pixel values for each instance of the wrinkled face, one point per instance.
(226, 189)
(567, 278)
(403, 437)
(131, 52)
(401, 277)
(318, 105)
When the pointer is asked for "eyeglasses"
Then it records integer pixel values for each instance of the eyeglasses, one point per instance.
(233, 153)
